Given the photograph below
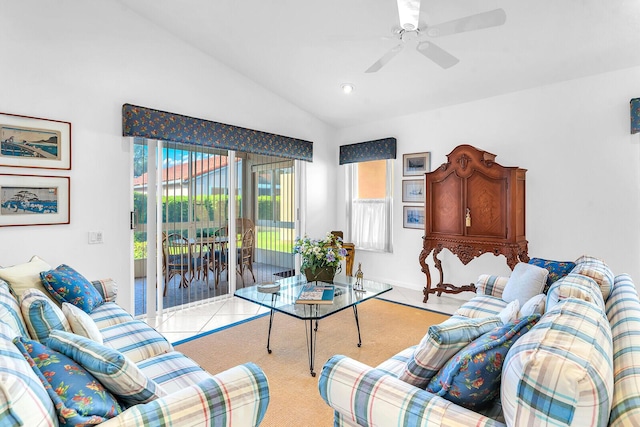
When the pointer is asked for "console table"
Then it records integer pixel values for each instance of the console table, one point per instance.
(473, 206)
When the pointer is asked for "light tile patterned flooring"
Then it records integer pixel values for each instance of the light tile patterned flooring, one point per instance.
(187, 323)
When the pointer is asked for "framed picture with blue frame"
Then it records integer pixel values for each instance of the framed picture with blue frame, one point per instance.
(413, 217)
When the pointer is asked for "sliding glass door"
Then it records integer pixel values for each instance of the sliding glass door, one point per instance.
(200, 254)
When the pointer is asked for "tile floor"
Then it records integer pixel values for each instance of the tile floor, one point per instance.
(187, 323)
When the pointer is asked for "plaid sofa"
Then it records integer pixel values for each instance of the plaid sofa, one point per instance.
(189, 396)
(578, 366)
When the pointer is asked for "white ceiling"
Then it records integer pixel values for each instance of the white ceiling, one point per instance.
(304, 50)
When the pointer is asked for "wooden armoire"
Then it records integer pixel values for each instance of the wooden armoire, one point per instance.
(473, 206)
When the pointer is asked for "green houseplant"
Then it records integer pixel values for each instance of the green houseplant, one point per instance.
(320, 258)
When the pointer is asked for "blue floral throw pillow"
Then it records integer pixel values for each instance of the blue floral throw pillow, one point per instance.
(557, 270)
(67, 285)
(472, 377)
(78, 397)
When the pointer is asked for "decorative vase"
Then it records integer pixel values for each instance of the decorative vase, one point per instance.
(322, 274)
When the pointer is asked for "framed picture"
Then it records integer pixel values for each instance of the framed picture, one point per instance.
(416, 164)
(413, 190)
(34, 200)
(29, 142)
(413, 217)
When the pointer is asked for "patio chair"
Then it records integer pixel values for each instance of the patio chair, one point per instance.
(175, 259)
(245, 254)
(184, 258)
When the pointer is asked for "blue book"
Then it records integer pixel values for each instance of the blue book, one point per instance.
(316, 294)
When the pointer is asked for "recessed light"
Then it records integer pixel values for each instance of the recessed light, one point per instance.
(347, 87)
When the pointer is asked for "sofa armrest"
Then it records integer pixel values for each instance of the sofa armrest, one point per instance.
(491, 285)
(108, 288)
(238, 396)
(362, 395)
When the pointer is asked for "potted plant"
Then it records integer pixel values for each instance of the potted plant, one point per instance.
(320, 258)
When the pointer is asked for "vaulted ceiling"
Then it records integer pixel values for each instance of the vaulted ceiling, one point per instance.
(303, 50)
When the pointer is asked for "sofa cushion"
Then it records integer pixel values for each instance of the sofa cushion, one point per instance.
(78, 397)
(471, 378)
(107, 288)
(557, 269)
(81, 323)
(10, 310)
(114, 371)
(41, 315)
(560, 372)
(598, 270)
(23, 398)
(109, 314)
(491, 285)
(440, 343)
(575, 286)
(173, 371)
(526, 281)
(136, 340)
(481, 306)
(623, 312)
(67, 285)
(25, 276)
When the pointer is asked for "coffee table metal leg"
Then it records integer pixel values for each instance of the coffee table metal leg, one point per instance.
(269, 335)
(355, 312)
(311, 336)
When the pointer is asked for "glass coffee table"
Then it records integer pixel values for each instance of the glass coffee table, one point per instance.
(283, 301)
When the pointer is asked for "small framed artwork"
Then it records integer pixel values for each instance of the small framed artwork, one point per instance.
(29, 142)
(413, 217)
(416, 164)
(413, 190)
(34, 200)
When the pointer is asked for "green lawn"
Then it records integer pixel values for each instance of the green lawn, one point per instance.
(269, 240)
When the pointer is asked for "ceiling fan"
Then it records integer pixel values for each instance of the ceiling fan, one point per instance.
(411, 29)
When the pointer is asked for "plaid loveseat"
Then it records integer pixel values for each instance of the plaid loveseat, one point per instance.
(578, 366)
(184, 393)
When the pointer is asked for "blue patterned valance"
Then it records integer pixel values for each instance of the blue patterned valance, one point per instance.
(149, 123)
(635, 115)
(379, 149)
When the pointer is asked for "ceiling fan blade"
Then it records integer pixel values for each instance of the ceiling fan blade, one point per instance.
(409, 13)
(385, 58)
(437, 55)
(492, 18)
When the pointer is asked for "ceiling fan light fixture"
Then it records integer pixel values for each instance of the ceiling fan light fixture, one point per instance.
(347, 88)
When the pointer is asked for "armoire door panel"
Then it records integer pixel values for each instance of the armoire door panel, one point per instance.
(487, 209)
(447, 205)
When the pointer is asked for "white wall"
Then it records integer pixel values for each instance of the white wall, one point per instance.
(80, 61)
(582, 180)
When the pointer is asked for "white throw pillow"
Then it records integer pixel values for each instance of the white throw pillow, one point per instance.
(25, 276)
(535, 305)
(81, 323)
(510, 312)
(526, 281)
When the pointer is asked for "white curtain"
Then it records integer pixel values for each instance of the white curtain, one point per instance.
(369, 224)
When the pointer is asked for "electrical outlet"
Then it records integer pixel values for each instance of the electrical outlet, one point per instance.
(95, 237)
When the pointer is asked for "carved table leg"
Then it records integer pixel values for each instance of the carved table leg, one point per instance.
(438, 265)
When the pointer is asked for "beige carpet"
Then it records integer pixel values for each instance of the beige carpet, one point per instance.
(386, 329)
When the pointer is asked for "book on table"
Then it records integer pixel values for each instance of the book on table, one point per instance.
(312, 293)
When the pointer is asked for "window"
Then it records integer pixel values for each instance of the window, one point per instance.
(369, 204)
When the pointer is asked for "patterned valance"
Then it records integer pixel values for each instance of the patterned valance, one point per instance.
(154, 124)
(379, 149)
(635, 115)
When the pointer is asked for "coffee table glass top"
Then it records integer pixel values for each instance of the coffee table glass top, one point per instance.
(284, 300)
